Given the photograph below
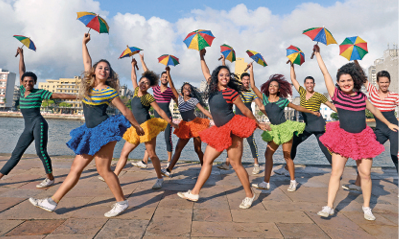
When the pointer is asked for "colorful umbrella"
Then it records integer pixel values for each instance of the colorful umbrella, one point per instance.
(199, 39)
(228, 52)
(130, 51)
(25, 41)
(93, 21)
(257, 57)
(295, 55)
(320, 34)
(168, 60)
(353, 48)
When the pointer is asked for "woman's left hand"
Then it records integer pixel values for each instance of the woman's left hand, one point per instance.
(264, 127)
(393, 127)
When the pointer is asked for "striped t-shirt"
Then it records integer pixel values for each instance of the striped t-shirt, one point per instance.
(389, 103)
(34, 99)
(162, 97)
(188, 105)
(102, 96)
(314, 102)
(248, 96)
(356, 102)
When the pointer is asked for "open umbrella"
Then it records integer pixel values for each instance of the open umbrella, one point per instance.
(26, 41)
(257, 57)
(228, 52)
(130, 51)
(320, 34)
(295, 55)
(93, 21)
(168, 60)
(199, 39)
(353, 48)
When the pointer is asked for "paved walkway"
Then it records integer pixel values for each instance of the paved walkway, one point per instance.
(275, 213)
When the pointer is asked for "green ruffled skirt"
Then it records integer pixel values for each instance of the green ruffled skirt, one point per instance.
(283, 132)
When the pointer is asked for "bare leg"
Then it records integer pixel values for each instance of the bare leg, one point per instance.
(287, 156)
(338, 165)
(179, 147)
(145, 157)
(49, 176)
(169, 156)
(357, 183)
(1, 175)
(256, 161)
(198, 150)
(271, 148)
(126, 150)
(364, 168)
(150, 149)
(227, 161)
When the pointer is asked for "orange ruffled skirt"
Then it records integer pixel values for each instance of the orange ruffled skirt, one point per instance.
(192, 128)
(219, 138)
(151, 127)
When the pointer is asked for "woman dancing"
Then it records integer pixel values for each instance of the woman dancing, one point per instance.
(191, 125)
(229, 130)
(274, 93)
(98, 136)
(36, 127)
(350, 137)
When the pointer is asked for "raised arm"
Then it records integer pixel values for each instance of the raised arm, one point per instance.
(302, 109)
(203, 110)
(377, 113)
(163, 114)
(171, 85)
(293, 77)
(252, 80)
(204, 67)
(21, 63)
(133, 74)
(240, 105)
(223, 60)
(128, 115)
(85, 52)
(143, 62)
(327, 77)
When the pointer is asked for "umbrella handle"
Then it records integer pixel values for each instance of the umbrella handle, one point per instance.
(18, 52)
(313, 51)
(248, 67)
(220, 58)
(287, 62)
(89, 30)
(137, 67)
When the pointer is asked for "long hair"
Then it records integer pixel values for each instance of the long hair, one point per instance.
(212, 86)
(194, 93)
(283, 85)
(356, 72)
(88, 80)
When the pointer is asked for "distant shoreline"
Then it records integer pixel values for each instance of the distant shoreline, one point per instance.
(45, 115)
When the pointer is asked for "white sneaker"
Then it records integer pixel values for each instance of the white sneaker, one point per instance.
(139, 164)
(368, 215)
(167, 165)
(351, 187)
(247, 202)
(263, 185)
(46, 204)
(45, 183)
(165, 173)
(282, 171)
(158, 184)
(292, 187)
(326, 211)
(256, 169)
(188, 195)
(224, 166)
(117, 209)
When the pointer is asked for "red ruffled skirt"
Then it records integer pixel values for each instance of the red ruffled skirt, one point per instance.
(192, 128)
(351, 145)
(219, 138)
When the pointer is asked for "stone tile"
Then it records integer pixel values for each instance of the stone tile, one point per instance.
(392, 216)
(176, 203)
(357, 217)
(299, 230)
(120, 228)
(6, 202)
(297, 206)
(76, 226)
(26, 237)
(212, 215)
(383, 232)
(213, 202)
(68, 236)
(35, 227)
(266, 216)
(166, 237)
(165, 220)
(21, 193)
(8, 225)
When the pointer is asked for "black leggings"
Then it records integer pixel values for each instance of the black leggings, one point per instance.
(35, 129)
(302, 137)
(253, 146)
(387, 134)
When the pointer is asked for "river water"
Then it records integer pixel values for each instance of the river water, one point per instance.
(308, 152)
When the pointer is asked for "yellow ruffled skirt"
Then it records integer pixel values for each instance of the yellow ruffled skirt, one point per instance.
(151, 127)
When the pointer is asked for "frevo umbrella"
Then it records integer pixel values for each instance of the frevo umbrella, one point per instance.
(168, 60)
(320, 34)
(257, 57)
(228, 52)
(26, 41)
(93, 21)
(295, 55)
(130, 51)
(199, 39)
(353, 48)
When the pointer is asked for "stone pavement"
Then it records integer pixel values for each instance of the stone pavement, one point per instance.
(275, 213)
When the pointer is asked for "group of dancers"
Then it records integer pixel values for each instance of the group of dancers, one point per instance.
(349, 137)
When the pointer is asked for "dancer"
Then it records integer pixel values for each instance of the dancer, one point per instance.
(229, 130)
(274, 93)
(98, 136)
(247, 98)
(141, 103)
(310, 100)
(36, 127)
(386, 101)
(191, 125)
(350, 137)
(163, 95)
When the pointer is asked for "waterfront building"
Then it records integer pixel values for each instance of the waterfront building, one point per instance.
(15, 99)
(326, 112)
(125, 92)
(7, 83)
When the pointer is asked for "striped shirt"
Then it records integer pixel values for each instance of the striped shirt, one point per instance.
(102, 96)
(344, 101)
(162, 97)
(229, 95)
(314, 102)
(389, 103)
(188, 105)
(146, 99)
(248, 96)
(34, 99)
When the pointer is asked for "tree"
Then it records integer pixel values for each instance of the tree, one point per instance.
(369, 115)
(65, 104)
(334, 116)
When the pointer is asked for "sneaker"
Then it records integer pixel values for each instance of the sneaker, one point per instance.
(351, 187)
(158, 184)
(139, 164)
(224, 166)
(256, 169)
(117, 209)
(282, 171)
(167, 165)
(188, 195)
(368, 215)
(263, 185)
(247, 202)
(292, 187)
(45, 183)
(326, 211)
(165, 172)
(46, 204)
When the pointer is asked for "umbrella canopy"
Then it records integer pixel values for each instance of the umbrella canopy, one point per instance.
(228, 52)
(26, 41)
(353, 48)
(257, 57)
(93, 21)
(168, 60)
(295, 55)
(320, 34)
(199, 39)
(130, 51)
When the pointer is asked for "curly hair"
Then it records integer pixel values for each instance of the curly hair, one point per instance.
(355, 71)
(88, 80)
(151, 76)
(212, 86)
(283, 86)
(29, 74)
(194, 93)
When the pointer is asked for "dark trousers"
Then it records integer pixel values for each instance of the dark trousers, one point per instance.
(297, 140)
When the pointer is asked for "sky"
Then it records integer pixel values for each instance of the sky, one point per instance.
(159, 27)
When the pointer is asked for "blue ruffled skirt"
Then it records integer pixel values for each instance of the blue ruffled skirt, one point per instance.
(90, 140)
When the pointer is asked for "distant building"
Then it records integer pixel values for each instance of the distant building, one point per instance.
(240, 66)
(125, 92)
(326, 112)
(203, 86)
(16, 96)
(7, 83)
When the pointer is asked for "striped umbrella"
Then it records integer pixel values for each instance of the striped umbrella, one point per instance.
(228, 52)
(295, 55)
(199, 39)
(26, 41)
(353, 48)
(130, 51)
(168, 60)
(93, 21)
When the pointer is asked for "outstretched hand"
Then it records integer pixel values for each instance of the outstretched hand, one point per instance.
(134, 64)
(86, 38)
(141, 56)
(167, 69)
(316, 48)
(20, 51)
(202, 53)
